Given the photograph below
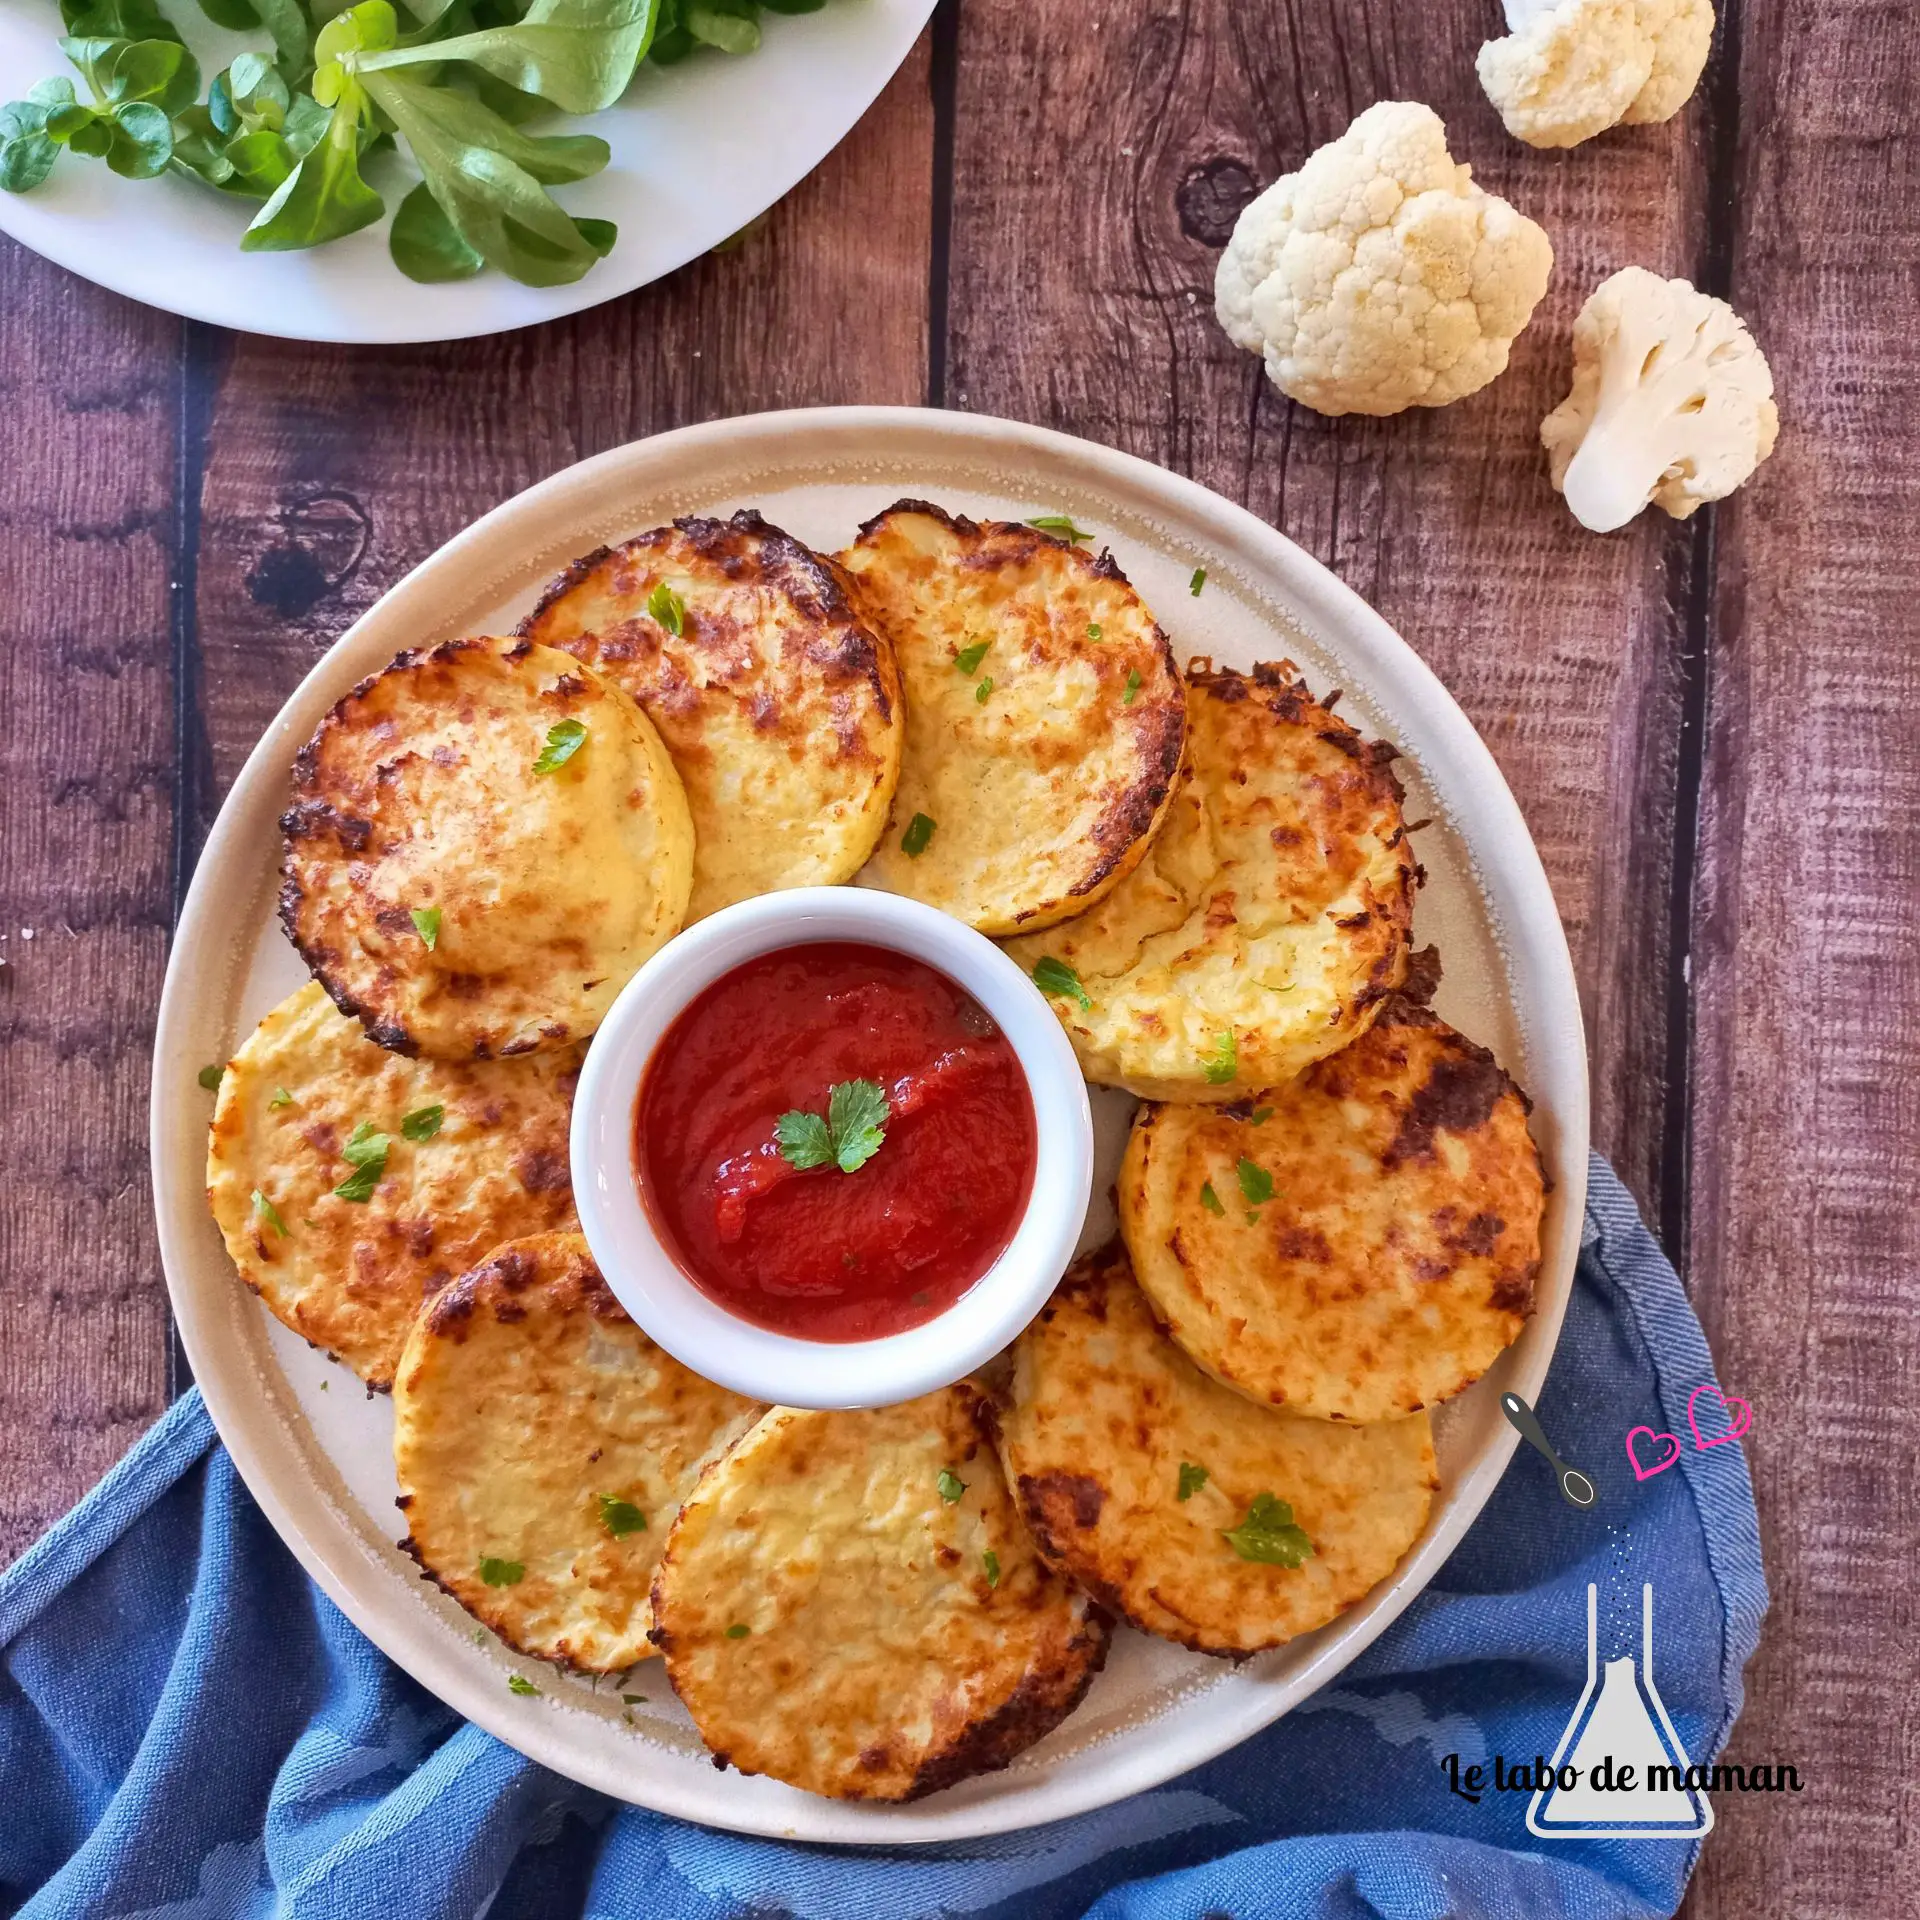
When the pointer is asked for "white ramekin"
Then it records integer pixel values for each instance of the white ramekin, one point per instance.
(697, 1330)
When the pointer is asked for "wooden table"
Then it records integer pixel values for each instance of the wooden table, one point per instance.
(1713, 727)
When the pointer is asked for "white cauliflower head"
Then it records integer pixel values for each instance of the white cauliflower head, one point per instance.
(1569, 69)
(1672, 402)
(1379, 277)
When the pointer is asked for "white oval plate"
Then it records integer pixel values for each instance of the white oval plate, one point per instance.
(314, 1448)
(699, 150)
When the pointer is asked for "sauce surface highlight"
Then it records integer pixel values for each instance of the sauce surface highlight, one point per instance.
(819, 1253)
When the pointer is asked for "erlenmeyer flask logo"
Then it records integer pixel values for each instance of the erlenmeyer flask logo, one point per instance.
(1622, 1761)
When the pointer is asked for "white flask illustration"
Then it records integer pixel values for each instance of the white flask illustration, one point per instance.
(1620, 1721)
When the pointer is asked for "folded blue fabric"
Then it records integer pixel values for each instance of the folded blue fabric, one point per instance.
(190, 1729)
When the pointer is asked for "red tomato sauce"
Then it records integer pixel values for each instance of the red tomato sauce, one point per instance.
(820, 1253)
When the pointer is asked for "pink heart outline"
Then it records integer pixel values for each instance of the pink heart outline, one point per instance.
(1647, 1473)
(1737, 1423)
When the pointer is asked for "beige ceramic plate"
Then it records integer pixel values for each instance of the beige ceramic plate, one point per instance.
(317, 1459)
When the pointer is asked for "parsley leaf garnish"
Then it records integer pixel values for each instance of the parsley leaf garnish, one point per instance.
(520, 1684)
(968, 658)
(739, 1630)
(849, 1136)
(1133, 687)
(1192, 1479)
(1061, 526)
(1211, 1200)
(991, 1561)
(1269, 1535)
(565, 738)
(621, 1517)
(982, 690)
(268, 1214)
(1057, 978)
(1259, 1116)
(913, 843)
(668, 608)
(1256, 1183)
(502, 1573)
(366, 1153)
(210, 1078)
(1224, 1066)
(950, 1484)
(1093, 629)
(634, 1699)
(281, 1098)
(1198, 581)
(426, 920)
(423, 1123)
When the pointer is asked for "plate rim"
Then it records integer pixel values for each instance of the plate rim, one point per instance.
(1537, 949)
(91, 256)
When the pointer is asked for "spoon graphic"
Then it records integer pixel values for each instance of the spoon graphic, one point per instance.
(1575, 1488)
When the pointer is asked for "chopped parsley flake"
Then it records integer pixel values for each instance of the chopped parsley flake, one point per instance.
(1055, 977)
(1224, 1066)
(848, 1137)
(268, 1214)
(668, 608)
(423, 1123)
(1061, 526)
(1269, 1535)
(634, 1699)
(210, 1078)
(1256, 1183)
(982, 690)
(920, 829)
(621, 1517)
(1133, 687)
(1093, 629)
(281, 1098)
(366, 1153)
(565, 738)
(739, 1630)
(426, 920)
(991, 1561)
(479, 1636)
(1192, 1479)
(950, 1484)
(1211, 1200)
(1198, 581)
(520, 1684)
(968, 659)
(1259, 1116)
(502, 1573)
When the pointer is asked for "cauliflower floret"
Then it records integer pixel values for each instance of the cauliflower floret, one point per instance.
(1379, 277)
(1672, 402)
(1569, 69)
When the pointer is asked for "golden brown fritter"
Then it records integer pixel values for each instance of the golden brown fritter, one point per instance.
(1267, 921)
(833, 1618)
(542, 891)
(780, 706)
(1044, 716)
(1131, 1467)
(543, 1445)
(1396, 1258)
(350, 1275)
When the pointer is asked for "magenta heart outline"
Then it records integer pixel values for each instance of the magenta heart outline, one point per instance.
(1737, 1423)
(1647, 1473)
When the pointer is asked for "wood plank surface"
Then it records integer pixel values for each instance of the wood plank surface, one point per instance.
(87, 543)
(1804, 1236)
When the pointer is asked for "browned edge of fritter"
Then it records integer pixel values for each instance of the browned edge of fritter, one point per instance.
(818, 587)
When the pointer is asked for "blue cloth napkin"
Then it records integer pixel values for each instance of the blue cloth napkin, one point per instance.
(189, 1729)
